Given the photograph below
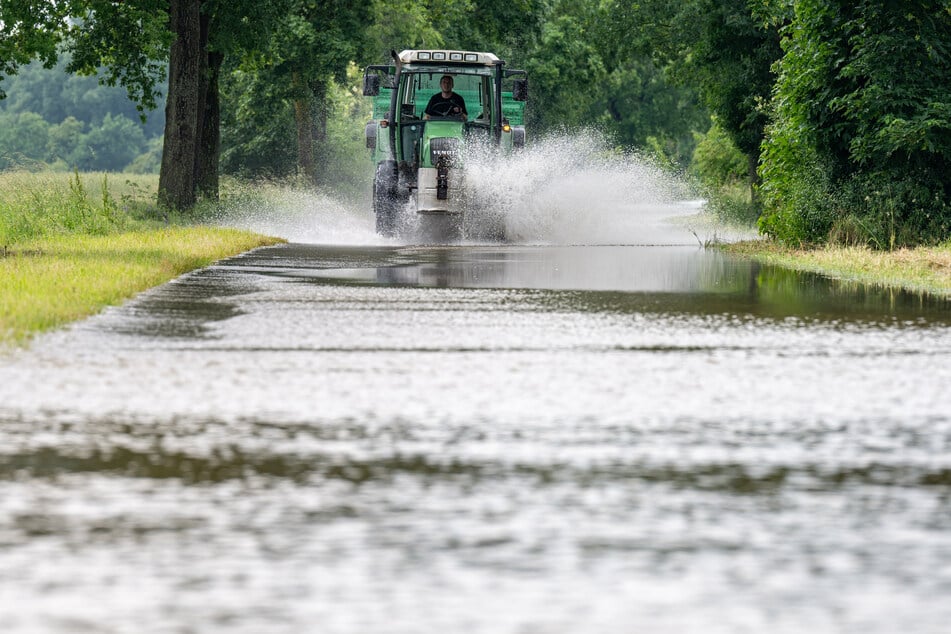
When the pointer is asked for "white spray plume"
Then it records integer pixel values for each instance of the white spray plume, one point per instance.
(563, 189)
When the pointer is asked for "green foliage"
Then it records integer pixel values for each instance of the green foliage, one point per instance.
(258, 141)
(281, 96)
(509, 28)
(716, 160)
(400, 24)
(124, 43)
(730, 60)
(860, 146)
(149, 161)
(26, 140)
(718, 48)
(29, 30)
(65, 139)
(242, 28)
(565, 69)
(111, 146)
(722, 169)
(56, 94)
(257, 127)
(732, 205)
(23, 139)
(345, 164)
(641, 108)
(318, 39)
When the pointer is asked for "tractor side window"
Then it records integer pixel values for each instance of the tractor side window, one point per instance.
(409, 96)
(485, 102)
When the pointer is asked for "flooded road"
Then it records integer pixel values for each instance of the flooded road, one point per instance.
(484, 439)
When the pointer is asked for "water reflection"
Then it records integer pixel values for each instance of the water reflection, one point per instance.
(631, 279)
(620, 268)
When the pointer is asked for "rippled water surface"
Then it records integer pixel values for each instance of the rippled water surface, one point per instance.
(485, 439)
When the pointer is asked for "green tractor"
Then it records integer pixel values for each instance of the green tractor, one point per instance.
(418, 146)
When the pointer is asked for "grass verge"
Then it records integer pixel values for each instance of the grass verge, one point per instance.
(49, 282)
(922, 269)
(71, 244)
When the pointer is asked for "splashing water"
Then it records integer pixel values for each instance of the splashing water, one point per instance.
(300, 215)
(574, 189)
(561, 190)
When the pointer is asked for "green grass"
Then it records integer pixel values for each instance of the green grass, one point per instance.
(72, 244)
(921, 269)
(38, 205)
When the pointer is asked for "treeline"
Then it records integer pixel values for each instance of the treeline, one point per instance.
(65, 122)
(836, 114)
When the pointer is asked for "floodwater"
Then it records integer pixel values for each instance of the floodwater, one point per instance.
(523, 438)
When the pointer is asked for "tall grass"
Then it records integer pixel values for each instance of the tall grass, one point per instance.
(40, 205)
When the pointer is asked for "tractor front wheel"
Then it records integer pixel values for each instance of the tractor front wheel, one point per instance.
(386, 204)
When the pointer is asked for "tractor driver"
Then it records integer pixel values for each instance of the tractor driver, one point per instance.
(446, 103)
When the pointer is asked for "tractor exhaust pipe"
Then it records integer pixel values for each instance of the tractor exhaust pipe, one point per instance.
(394, 99)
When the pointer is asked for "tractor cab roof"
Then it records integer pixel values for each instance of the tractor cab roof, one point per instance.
(462, 58)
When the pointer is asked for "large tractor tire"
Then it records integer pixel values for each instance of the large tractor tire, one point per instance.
(386, 202)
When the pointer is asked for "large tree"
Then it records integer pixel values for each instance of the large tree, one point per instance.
(313, 47)
(566, 68)
(205, 32)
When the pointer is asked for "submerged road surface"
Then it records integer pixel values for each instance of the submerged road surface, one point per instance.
(482, 439)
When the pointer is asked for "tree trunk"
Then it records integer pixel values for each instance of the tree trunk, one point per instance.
(185, 69)
(304, 118)
(209, 146)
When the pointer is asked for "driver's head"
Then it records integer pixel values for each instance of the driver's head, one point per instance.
(446, 83)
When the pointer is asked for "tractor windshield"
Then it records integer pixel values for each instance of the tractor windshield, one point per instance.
(474, 89)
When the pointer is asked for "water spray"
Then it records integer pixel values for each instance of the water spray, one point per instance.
(565, 189)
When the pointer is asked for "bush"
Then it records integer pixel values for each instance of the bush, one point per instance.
(885, 210)
(860, 144)
(716, 159)
(722, 170)
(797, 198)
